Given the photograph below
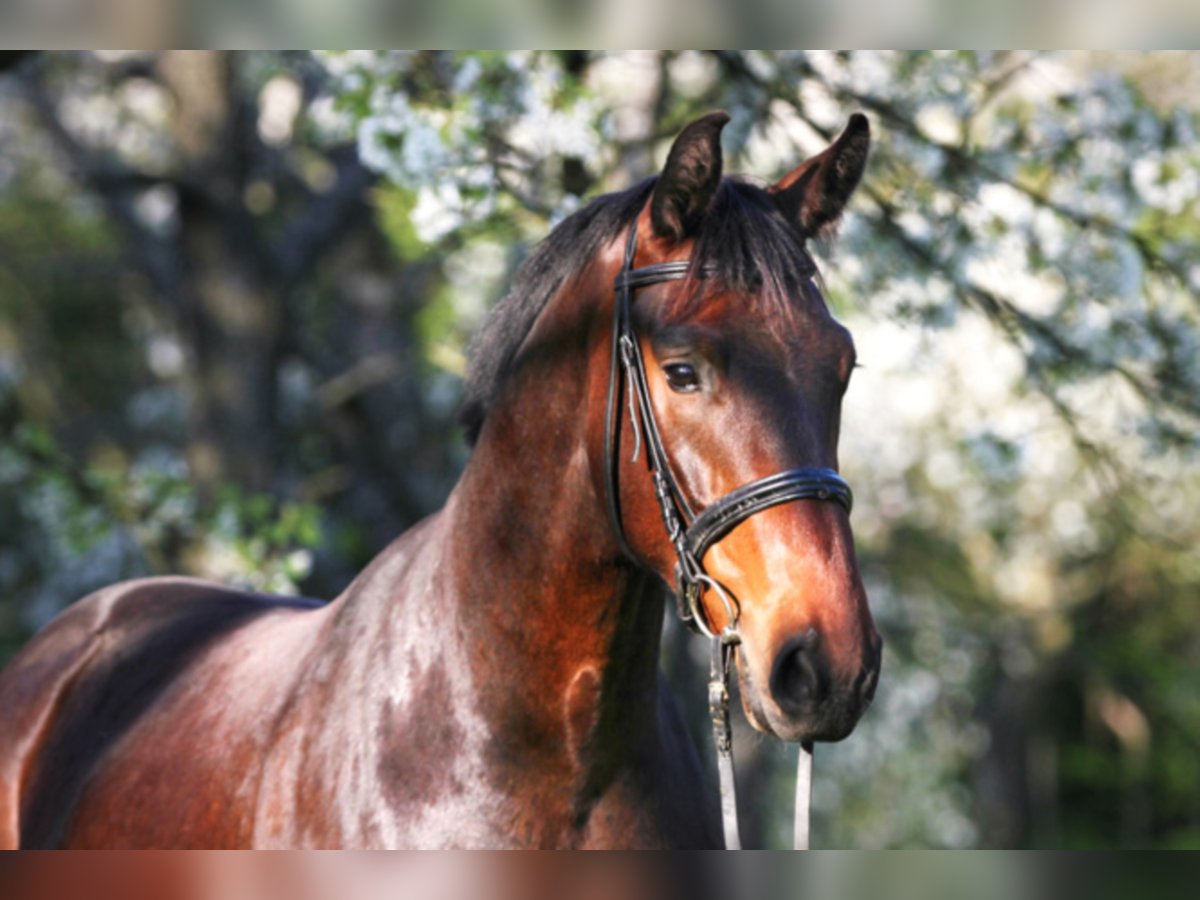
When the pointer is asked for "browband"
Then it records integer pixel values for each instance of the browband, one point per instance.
(664, 271)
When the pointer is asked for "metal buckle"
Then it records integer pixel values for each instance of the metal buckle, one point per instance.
(684, 602)
(718, 713)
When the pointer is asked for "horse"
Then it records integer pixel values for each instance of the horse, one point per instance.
(491, 679)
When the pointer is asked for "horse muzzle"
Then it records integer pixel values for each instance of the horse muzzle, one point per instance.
(804, 698)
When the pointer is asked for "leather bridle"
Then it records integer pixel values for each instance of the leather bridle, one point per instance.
(691, 533)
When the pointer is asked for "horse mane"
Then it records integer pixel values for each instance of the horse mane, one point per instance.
(752, 248)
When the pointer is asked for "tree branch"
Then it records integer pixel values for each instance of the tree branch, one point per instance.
(1012, 321)
(966, 161)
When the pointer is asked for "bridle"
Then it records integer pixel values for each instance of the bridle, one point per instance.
(692, 533)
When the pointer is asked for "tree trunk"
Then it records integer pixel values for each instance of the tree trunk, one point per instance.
(230, 306)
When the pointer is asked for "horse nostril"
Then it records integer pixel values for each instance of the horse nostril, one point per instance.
(800, 678)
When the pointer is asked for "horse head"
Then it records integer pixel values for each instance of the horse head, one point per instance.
(745, 368)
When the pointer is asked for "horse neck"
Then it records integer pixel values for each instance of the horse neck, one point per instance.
(565, 635)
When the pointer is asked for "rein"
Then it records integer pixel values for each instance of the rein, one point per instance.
(692, 534)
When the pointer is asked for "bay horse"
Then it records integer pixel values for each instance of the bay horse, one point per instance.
(491, 679)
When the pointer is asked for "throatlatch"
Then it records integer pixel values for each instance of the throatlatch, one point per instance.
(692, 534)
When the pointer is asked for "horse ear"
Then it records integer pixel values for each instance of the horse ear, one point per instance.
(689, 179)
(814, 194)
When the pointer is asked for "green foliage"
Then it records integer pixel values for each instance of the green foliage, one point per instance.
(84, 527)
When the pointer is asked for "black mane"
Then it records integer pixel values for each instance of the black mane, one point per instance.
(752, 247)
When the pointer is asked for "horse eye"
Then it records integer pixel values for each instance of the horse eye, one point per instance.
(682, 377)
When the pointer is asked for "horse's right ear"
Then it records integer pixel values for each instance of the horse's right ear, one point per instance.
(689, 179)
(814, 194)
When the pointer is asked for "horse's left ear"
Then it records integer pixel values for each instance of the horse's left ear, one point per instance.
(690, 178)
(814, 194)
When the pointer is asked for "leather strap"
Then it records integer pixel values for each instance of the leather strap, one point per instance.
(632, 279)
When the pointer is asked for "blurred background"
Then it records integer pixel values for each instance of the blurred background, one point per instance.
(236, 291)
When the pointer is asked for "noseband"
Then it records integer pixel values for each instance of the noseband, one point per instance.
(691, 533)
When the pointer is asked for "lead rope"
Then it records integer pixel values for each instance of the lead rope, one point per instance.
(803, 796)
(718, 711)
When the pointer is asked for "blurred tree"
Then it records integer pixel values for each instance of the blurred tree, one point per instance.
(10, 59)
(221, 225)
(236, 291)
